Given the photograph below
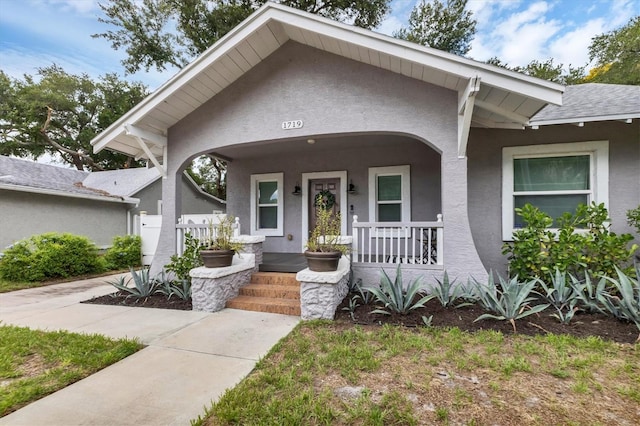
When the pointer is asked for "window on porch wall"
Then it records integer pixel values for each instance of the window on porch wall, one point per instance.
(389, 194)
(267, 215)
(555, 178)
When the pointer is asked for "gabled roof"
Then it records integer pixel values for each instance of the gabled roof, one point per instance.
(123, 182)
(128, 182)
(28, 176)
(503, 98)
(592, 102)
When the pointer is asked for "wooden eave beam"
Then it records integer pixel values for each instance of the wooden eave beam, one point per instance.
(465, 113)
(502, 112)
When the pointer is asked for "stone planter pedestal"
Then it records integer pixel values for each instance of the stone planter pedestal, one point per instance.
(252, 244)
(322, 292)
(211, 288)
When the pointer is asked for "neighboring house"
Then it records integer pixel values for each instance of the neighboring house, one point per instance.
(37, 198)
(389, 131)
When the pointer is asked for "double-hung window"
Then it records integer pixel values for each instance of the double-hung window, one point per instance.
(554, 178)
(389, 194)
(267, 216)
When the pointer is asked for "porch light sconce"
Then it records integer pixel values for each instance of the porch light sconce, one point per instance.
(352, 188)
(297, 190)
(311, 141)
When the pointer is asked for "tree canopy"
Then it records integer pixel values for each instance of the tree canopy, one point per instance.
(59, 113)
(161, 33)
(445, 26)
(617, 55)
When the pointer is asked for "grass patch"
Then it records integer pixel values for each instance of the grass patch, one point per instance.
(36, 363)
(329, 373)
(7, 286)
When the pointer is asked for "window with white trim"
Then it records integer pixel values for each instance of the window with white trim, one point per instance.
(555, 178)
(267, 204)
(390, 194)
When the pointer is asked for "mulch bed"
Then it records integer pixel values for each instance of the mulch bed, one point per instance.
(582, 324)
(155, 301)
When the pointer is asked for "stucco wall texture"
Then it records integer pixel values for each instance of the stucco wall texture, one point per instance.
(389, 150)
(485, 176)
(333, 96)
(26, 214)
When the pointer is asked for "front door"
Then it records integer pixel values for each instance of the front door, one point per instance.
(325, 191)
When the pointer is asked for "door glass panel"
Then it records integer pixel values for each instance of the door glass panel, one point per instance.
(389, 188)
(389, 213)
(267, 217)
(268, 192)
(553, 205)
(551, 173)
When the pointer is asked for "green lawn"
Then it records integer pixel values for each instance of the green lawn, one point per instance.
(7, 286)
(331, 373)
(34, 363)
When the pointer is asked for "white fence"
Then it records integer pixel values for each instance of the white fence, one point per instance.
(148, 227)
(418, 243)
(200, 231)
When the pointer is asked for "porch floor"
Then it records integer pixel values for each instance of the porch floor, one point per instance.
(283, 262)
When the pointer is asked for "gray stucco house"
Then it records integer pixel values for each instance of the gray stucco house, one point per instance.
(37, 198)
(391, 132)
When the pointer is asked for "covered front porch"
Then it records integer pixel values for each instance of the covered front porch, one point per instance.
(417, 246)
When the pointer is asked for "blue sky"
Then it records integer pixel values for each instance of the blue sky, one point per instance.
(36, 33)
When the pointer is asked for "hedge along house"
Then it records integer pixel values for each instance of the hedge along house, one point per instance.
(300, 105)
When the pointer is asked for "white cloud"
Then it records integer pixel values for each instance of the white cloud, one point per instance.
(516, 38)
(572, 48)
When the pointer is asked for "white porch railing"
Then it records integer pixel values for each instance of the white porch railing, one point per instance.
(418, 243)
(199, 231)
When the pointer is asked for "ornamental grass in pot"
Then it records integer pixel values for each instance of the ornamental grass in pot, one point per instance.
(323, 247)
(217, 249)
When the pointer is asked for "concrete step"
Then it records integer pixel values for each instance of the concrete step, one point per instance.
(279, 278)
(266, 304)
(275, 291)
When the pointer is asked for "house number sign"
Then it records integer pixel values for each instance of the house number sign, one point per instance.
(292, 124)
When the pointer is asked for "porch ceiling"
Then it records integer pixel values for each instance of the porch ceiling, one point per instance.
(505, 98)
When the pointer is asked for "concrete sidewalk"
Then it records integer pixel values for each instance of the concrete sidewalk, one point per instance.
(190, 360)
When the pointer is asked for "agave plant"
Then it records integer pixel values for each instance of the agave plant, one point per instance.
(144, 286)
(627, 305)
(395, 298)
(447, 292)
(590, 296)
(561, 296)
(512, 301)
(352, 306)
(181, 289)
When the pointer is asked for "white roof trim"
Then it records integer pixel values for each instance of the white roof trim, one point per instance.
(201, 191)
(34, 190)
(451, 64)
(575, 120)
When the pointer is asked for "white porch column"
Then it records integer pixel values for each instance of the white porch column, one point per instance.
(461, 259)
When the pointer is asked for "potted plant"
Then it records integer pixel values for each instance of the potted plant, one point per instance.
(323, 248)
(217, 249)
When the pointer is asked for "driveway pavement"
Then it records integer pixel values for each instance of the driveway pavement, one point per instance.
(191, 358)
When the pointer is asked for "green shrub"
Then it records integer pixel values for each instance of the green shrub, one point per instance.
(633, 218)
(582, 244)
(125, 252)
(50, 255)
(190, 259)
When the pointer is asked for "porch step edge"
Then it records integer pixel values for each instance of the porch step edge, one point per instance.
(266, 304)
(276, 291)
(279, 278)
